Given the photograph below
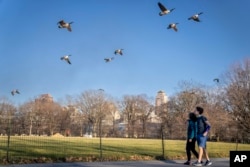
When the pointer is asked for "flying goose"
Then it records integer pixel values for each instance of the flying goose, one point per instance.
(109, 59)
(63, 24)
(164, 10)
(195, 17)
(173, 26)
(66, 58)
(216, 80)
(119, 51)
(15, 91)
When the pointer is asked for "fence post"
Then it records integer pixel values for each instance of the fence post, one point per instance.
(100, 135)
(162, 142)
(8, 140)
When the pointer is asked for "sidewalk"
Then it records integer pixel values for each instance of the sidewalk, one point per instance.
(217, 162)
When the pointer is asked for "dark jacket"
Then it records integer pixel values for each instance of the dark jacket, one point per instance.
(192, 129)
(201, 125)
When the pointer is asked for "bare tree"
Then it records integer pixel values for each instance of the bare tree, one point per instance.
(7, 113)
(64, 119)
(93, 104)
(136, 110)
(238, 93)
(167, 120)
(143, 110)
(113, 116)
(129, 113)
(27, 112)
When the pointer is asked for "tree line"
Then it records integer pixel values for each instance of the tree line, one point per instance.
(95, 113)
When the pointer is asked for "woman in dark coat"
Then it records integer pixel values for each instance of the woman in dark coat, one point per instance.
(191, 137)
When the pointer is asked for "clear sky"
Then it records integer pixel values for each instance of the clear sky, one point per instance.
(155, 58)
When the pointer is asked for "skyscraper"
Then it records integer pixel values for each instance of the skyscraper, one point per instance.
(161, 98)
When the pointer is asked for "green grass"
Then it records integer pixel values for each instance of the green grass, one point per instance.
(86, 149)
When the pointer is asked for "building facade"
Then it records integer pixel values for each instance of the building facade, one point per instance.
(161, 98)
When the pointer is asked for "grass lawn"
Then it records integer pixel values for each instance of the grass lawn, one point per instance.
(87, 149)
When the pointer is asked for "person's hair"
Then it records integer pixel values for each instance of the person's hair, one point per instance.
(200, 110)
(192, 116)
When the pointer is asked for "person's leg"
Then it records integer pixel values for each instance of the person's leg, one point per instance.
(193, 148)
(206, 154)
(201, 144)
(208, 162)
(188, 150)
(188, 153)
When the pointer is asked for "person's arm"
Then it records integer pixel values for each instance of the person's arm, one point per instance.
(207, 128)
(191, 132)
(191, 135)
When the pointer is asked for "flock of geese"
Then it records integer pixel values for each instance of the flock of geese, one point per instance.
(195, 17)
(164, 11)
(67, 25)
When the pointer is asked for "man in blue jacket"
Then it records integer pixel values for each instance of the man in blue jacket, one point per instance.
(203, 127)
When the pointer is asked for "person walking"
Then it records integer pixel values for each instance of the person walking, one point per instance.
(191, 137)
(203, 127)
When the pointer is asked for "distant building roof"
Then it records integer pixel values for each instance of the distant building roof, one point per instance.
(45, 98)
(161, 91)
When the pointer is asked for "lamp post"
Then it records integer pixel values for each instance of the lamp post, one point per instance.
(159, 106)
(162, 142)
(8, 141)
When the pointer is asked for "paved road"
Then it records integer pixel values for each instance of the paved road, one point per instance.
(220, 162)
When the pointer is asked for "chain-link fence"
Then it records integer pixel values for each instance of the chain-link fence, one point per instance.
(18, 147)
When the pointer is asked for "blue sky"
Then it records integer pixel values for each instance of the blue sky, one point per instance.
(155, 58)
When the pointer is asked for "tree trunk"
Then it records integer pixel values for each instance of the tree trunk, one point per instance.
(143, 128)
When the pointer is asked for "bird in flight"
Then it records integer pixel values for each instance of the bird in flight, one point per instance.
(15, 91)
(63, 24)
(173, 26)
(195, 17)
(66, 58)
(119, 51)
(217, 80)
(109, 59)
(164, 10)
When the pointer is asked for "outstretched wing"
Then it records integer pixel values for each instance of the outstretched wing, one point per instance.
(68, 61)
(162, 7)
(61, 22)
(69, 28)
